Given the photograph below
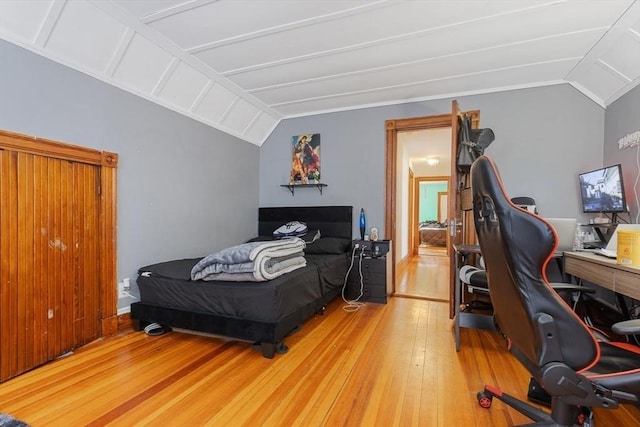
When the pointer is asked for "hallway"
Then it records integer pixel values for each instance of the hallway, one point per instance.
(426, 276)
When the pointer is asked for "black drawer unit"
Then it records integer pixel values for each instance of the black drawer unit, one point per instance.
(376, 270)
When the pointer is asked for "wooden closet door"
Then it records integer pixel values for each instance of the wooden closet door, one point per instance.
(49, 239)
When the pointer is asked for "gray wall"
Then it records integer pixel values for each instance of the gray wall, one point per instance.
(184, 189)
(544, 137)
(622, 117)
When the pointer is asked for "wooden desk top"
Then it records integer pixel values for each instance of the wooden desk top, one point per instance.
(603, 271)
(602, 260)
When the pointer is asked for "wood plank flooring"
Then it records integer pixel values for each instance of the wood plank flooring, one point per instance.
(426, 276)
(384, 365)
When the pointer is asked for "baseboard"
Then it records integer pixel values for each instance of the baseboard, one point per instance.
(402, 264)
(124, 323)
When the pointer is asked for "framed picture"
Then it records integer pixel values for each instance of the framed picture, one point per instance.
(305, 159)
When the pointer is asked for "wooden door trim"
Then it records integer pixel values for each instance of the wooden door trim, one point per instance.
(392, 127)
(108, 163)
(439, 208)
(413, 215)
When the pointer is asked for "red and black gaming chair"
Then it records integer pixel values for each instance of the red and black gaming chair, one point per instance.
(577, 369)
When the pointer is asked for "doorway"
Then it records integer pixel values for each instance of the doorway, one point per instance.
(395, 182)
(430, 215)
(423, 268)
(396, 214)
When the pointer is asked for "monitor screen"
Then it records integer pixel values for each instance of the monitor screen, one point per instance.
(602, 190)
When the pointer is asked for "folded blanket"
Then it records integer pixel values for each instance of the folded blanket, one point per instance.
(255, 261)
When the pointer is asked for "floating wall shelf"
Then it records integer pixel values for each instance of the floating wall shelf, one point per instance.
(292, 187)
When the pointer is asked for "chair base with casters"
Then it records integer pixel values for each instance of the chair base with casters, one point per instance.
(576, 415)
(570, 394)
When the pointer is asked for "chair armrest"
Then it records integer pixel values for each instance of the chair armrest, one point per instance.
(567, 287)
(628, 327)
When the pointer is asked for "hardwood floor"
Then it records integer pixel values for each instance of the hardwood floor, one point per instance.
(426, 275)
(384, 365)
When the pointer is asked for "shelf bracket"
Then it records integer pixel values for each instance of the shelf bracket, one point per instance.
(292, 187)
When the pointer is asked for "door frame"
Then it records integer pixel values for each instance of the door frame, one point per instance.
(442, 204)
(392, 128)
(413, 214)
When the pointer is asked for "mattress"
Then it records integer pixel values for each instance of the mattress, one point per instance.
(168, 285)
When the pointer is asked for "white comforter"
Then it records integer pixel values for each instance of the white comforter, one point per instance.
(253, 262)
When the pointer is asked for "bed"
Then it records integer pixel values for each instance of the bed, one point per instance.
(433, 234)
(263, 313)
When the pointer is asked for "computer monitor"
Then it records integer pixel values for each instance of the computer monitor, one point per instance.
(602, 191)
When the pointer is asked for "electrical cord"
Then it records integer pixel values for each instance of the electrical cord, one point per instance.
(635, 185)
(635, 189)
(633, 314)
(354, 304)
(126, 294)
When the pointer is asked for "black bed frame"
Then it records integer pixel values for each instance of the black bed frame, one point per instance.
(332, 221)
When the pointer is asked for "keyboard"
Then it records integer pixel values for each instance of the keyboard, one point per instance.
(593, 245)
(602, 251)
(608, 253)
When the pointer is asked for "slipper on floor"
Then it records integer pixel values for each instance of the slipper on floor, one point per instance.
(153, 329)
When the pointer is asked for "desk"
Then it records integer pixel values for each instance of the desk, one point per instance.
(604, 272)
(464, 319)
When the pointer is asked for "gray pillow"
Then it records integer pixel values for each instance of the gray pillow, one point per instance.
(328, 245)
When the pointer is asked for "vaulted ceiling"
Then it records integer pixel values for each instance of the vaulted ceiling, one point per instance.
(243, 65)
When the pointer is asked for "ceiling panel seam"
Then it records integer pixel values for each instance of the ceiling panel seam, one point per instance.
(613, 71)
(290, 26)
(174, 10)
(165, 77)
(160, 40)
(49, 22)
(121, 49)
(416, 83)
(196, 102)
(227, 112)
(370, 43)
(450, 95)
(402, 65)
(249, 125)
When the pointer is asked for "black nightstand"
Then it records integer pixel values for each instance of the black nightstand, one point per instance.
(376, 271)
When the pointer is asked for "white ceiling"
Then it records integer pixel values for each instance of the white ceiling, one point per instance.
(420, 145)
(243, 65)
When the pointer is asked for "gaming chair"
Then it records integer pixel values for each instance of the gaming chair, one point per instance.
(577, 369)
